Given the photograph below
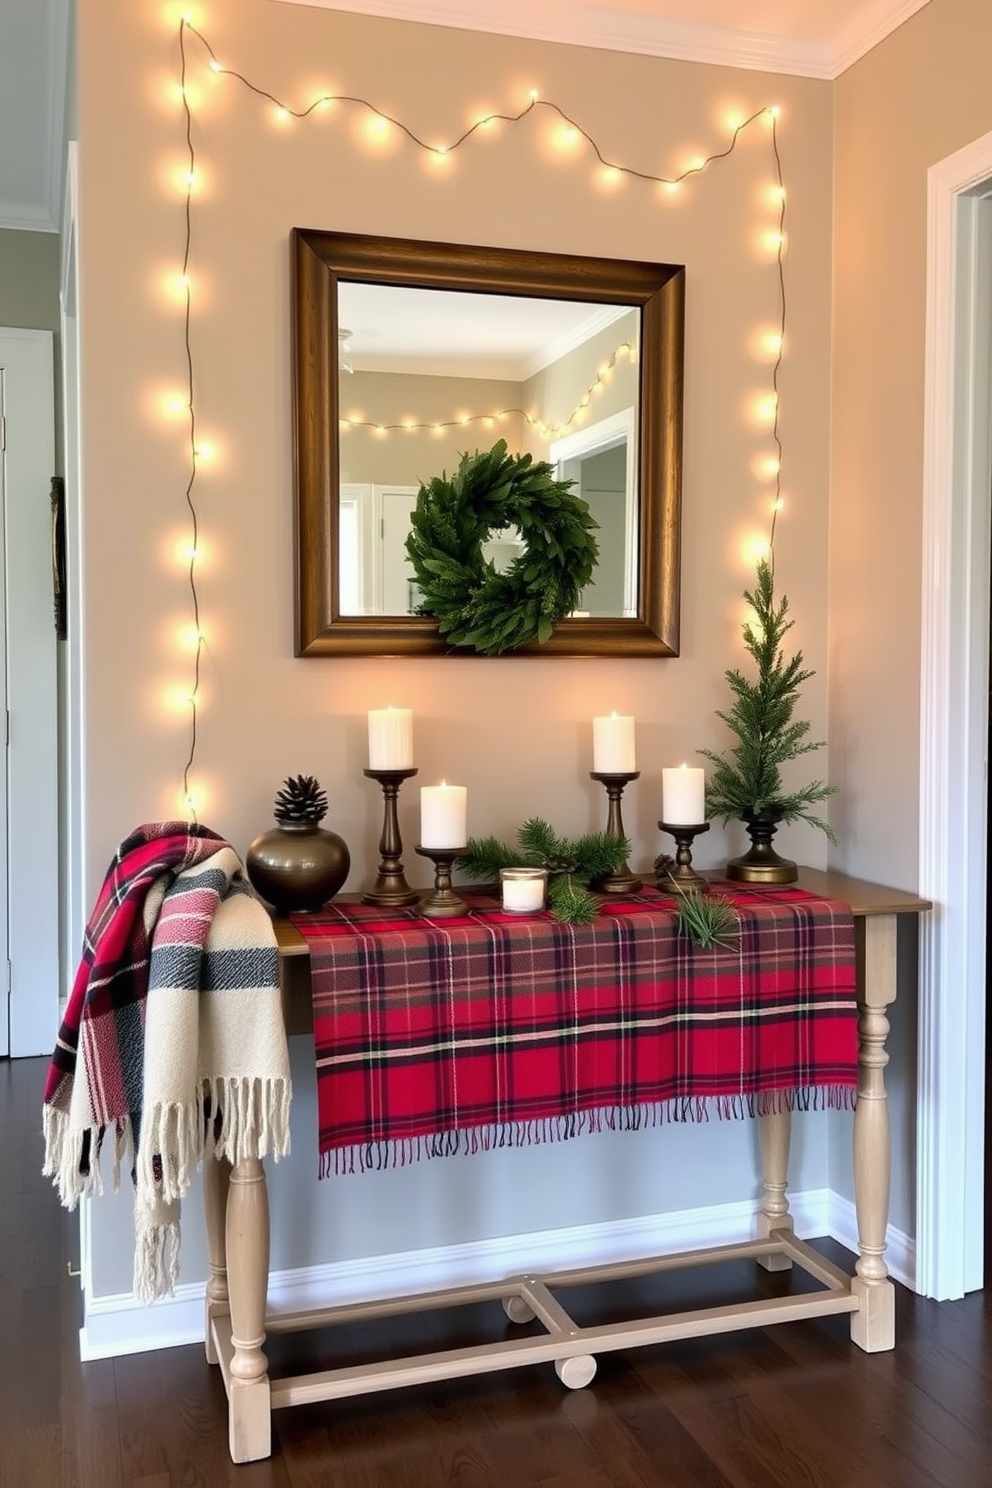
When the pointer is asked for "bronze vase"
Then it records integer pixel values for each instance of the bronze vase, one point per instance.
(297, 865)
(761, 863)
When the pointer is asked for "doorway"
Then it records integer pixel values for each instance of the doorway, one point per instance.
(29, 848)
(957, 463)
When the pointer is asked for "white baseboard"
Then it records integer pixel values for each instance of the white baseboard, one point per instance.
(842, 1226)
(121, 1325)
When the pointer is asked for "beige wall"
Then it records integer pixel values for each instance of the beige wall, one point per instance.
(265, 714)
(917, 98)
(517, 730)
(914, 100)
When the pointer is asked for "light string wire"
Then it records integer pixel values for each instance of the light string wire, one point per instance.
(326, 99)
(191, 425)
(780, 270)
(548, 431)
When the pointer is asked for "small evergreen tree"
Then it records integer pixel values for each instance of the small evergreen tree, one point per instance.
(748, 778)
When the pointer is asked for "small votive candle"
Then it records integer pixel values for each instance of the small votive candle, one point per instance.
(391, 739)
(613, 745)
(522, 890)
(683, 796)
(443, 815)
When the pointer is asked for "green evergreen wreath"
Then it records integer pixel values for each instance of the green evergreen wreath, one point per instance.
(474, 605)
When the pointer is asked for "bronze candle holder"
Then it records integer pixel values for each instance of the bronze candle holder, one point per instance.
(679, 877)
(622, 881)
(443, 903)
(390, 888)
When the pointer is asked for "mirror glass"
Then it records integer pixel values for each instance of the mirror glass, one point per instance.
(409, 355)
(427, 375)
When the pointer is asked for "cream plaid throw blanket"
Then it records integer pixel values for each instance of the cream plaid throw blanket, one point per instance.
(173, 1039)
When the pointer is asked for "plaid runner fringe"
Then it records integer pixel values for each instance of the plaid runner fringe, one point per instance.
(399, 1152)
(172, 1045)
(494, 1030)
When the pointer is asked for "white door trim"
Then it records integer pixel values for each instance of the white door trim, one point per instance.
(73, 756)
(32, 843)
(954, 721)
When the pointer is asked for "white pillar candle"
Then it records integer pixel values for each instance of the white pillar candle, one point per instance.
(683, 797)
(443, 815)
(390, 739)
(613, 745)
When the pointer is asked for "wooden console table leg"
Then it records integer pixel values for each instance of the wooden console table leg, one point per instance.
(249, 1409)
(873, 1325)
(216, 1182)
(775, 1130)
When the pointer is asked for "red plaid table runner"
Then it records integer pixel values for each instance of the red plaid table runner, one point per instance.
(435, 1037)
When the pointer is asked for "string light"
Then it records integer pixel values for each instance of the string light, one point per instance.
(461, 420)
(384, 124)
(777, 365)
(191, 427)
(572, 132)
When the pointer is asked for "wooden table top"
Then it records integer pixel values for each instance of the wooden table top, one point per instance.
(864, 899)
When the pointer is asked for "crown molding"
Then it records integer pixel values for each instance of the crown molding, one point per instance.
(619, 30)
(871, 23)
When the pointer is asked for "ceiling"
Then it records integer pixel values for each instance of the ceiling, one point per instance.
(809, 38)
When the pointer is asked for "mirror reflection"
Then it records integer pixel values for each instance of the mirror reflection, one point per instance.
(426, 376)
(409, 355)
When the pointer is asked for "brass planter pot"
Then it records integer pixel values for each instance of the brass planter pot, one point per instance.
(297, 866)
(761, 863)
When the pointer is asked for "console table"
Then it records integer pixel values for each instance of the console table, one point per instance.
(237, 1219)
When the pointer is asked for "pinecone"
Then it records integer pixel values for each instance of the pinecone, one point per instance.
(300, 800)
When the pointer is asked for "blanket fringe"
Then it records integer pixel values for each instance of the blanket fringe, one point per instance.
(397, 1152)
(73, 1155)
(252, 1117)
(252, 1121)
(156, 1261)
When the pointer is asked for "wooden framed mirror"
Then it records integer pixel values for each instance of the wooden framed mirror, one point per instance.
(408, 354)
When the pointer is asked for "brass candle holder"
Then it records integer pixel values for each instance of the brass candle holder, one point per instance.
(390, 888)
(443, 903)
(680, 877)
(621, 881)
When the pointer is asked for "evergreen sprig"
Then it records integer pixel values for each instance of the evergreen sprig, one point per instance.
(708, 919)
(573, 863)
(748, 778)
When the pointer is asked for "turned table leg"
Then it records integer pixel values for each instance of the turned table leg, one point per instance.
(775, 1130)
(216, 1182)
(249, 1411)
(873, 1325)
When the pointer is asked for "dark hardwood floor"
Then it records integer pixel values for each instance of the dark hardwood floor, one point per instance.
(796, 1406)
